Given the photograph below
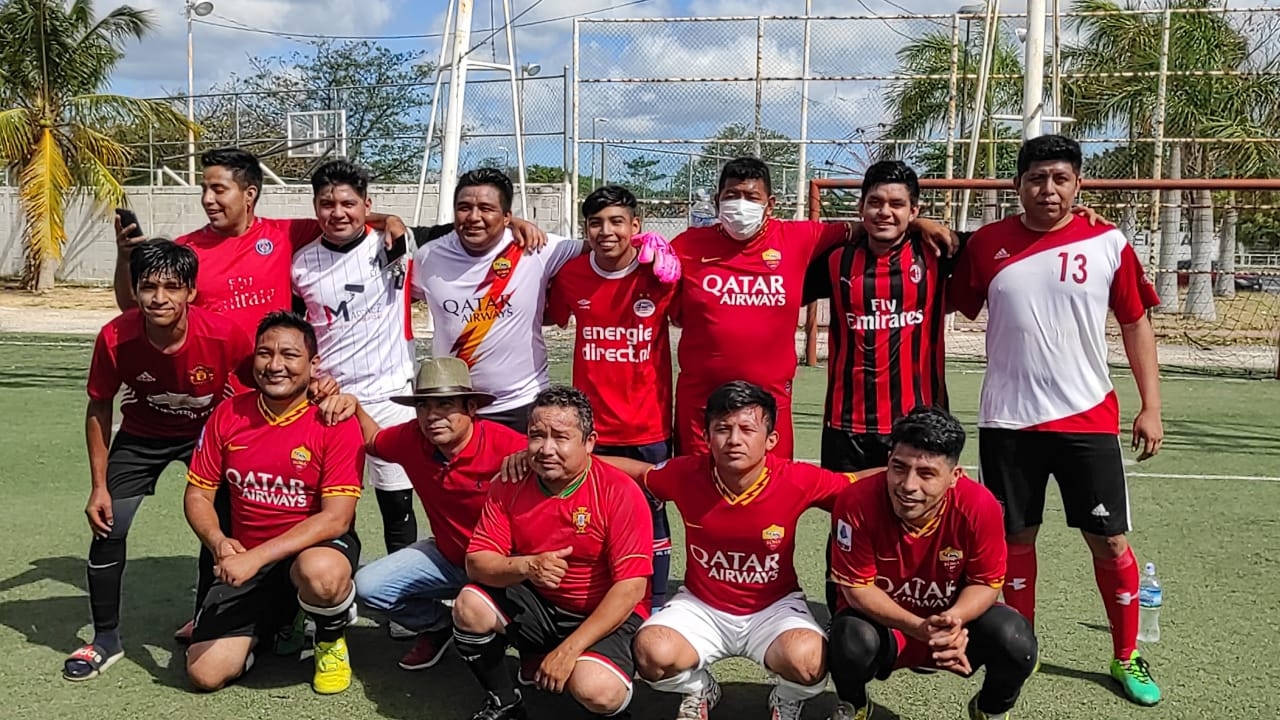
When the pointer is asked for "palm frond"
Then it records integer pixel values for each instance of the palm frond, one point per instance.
(44, 182)
(105, 110)
(17, 135)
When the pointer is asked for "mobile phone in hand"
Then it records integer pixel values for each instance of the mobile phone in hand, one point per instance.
(127, 218)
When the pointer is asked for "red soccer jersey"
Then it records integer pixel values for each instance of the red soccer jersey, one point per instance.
(622, 353)
(452, 491)
(1047, 297)
(603, 516)
(247, 276)
(168, 396)
(923, 571)
(740, 551)
(279, 468)
(886, 341)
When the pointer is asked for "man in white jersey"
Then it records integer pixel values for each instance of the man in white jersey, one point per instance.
(357, 298)
(488, 295)
(1048, 407)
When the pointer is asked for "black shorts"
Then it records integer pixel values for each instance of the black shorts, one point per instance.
(843, 451)
(263, 604)
(534, 625)
(134, 463)
(1016, 465)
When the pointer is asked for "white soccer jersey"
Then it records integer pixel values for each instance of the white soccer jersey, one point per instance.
(358, 302)
(1047, 297)
(488, 311)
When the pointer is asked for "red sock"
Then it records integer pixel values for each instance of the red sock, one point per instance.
(1020, 580)
(1118, 582)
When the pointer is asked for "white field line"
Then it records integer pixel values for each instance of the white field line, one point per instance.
(1166, 476)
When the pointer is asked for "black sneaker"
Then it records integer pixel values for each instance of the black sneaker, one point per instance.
(494, 710)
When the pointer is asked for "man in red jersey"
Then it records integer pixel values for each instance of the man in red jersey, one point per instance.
(560, 564)
(738, 302)
(1048, 407)
(450, 455)
(741, 597)
(175, 362)
(621, 353)
(294, 482)
(919, 556)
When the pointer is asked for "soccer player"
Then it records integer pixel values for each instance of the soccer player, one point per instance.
(560, 564)
(175, 362)
(1047, 405)
(451, 455)
(622, 352)
(920, 558)
(741, 598)
(293, 483)
(356, 297)
(739, 301)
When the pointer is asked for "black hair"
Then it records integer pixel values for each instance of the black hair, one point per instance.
(931, 430)
(1049, 148)
(609, 196)
(289, 320)
(341, 172)
(746, 168)
(736, 395)
(892, 172)
(563, 396)
(487, 176)
(244, 166)
(164, 258)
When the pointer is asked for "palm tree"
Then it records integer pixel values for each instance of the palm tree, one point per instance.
(1218, 104)
(55, 124)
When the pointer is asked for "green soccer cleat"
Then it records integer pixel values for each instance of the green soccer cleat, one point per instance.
(976, 714)
(292, 638)
(1135, 679)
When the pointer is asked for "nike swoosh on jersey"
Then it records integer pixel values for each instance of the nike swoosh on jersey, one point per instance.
(233, 448)
(711, 259)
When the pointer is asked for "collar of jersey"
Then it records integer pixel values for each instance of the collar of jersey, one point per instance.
(613, 274)
(344, 249)
(289, 416)
(932, 526)
(746, 496)
(570, 488)
(471, 449)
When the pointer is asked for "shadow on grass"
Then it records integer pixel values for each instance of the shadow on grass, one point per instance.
(1226, 437)
(153, 606)
(1097, 678)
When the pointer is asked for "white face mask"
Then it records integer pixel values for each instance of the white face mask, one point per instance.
(741, 218)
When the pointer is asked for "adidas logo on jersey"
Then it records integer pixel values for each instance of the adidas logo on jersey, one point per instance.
(145, 377)
(1001, 254)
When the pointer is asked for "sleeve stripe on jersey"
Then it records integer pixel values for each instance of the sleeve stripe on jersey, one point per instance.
(839, 579)
(341, 491)
(634, 556)
(200, 482)
(996, 584)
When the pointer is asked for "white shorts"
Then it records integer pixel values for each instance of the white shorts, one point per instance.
(716, 635)
(385, 475)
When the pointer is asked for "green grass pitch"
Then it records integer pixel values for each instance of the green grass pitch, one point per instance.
(1216, 541)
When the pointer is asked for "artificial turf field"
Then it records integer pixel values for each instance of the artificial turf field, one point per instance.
(1205, 510)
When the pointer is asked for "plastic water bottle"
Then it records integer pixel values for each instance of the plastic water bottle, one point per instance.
(1150, 598)
(703, 212)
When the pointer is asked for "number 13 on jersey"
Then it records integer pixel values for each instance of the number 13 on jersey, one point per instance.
(1074, 267)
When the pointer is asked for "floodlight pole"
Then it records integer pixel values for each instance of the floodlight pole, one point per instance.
(451, 146)
(1033, 71)
(802, 158)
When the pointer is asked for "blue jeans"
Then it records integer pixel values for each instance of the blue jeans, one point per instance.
(653, 453)
(408, 585)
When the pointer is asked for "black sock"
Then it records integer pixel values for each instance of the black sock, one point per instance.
(485, 655)
(330, 621)
(399, 525)
(106, 575)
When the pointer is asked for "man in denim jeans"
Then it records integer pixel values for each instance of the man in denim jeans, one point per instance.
(450, 456)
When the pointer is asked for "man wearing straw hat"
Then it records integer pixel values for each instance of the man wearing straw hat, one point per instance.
(450, 455)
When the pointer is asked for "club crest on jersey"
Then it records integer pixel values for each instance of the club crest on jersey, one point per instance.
(264, 246)
(644, 307)
(772, 257)
(200, 374)
(501, 267)
(915, 273)
(950, 559)
(300, 456)
(581, 518)
(773, 536)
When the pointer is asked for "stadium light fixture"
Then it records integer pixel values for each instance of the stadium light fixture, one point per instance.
(202, 9)
(530, 69)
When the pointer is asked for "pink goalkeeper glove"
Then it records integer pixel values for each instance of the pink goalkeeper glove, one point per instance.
(656, 250)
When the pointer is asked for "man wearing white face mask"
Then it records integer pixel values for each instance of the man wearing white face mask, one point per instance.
(739, 299)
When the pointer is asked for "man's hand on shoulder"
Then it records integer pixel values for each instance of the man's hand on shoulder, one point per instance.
(527, 235)
(515, 467)
(336, 408)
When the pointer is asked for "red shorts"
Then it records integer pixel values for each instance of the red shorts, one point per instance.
(691, 404)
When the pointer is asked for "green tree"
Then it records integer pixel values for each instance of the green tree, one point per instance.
(781, 152)
(641, 177)
(55, 123)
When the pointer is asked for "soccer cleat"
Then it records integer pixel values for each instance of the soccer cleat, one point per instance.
(697, 706)
(976, 714)
(846, 711)
(428, 650)
(494, 710)
(290, 639)
(183, 634)
(529, 664)
(1135, 679)
(333, 667)
(88, 663)
(780, 709)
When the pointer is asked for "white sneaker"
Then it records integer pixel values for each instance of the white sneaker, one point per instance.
(697, 706)
(780, 709)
